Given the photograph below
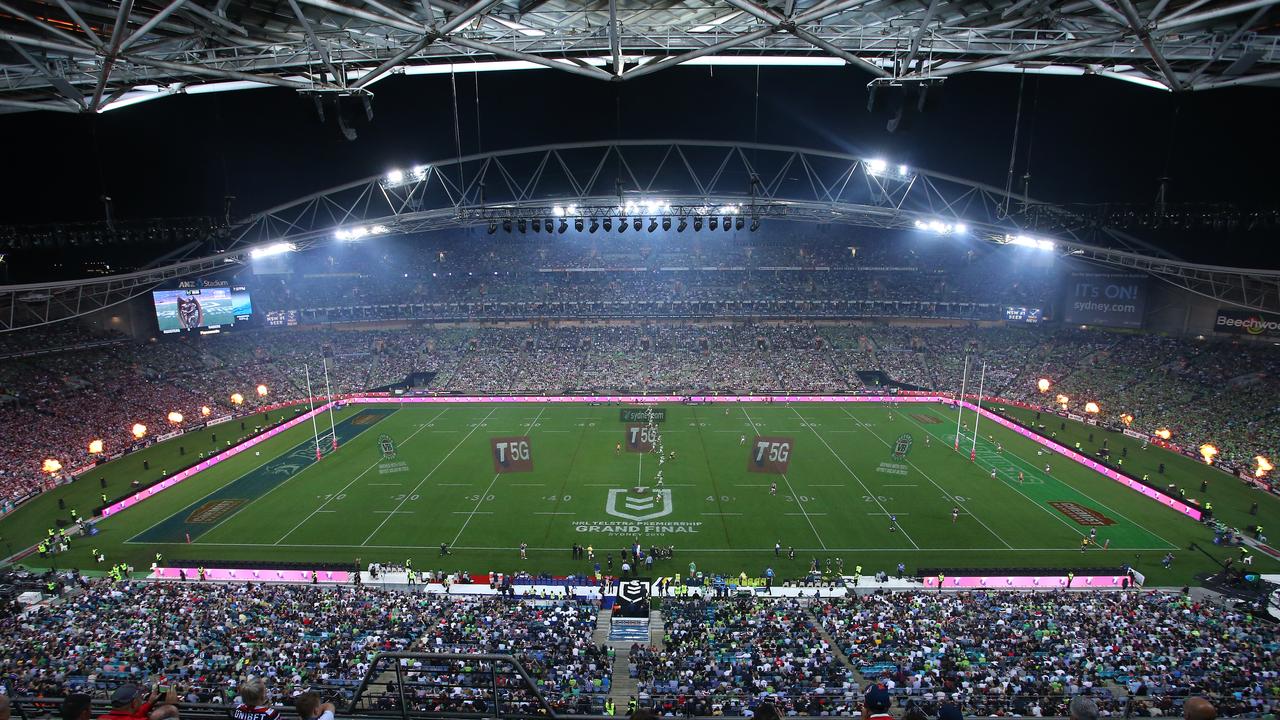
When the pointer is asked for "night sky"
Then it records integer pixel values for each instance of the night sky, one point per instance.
(1089, 139)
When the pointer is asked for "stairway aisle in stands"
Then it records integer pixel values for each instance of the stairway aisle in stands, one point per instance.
(837, 650)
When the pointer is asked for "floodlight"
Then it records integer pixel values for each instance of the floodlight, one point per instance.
(713, 223)
(666, 224)
(395, 177)
(682, 225)
(521, 224)
(595, 225)
(420, 172)
(608, 225)
(273, 249)
(547, 225)
(755, 224)
(653, 224)
(577, 224)
(877, 166)
(506, 224)
(493, 226)
(738, 223)
(697, 224)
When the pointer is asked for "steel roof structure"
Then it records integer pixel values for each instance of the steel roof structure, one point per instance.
(92, 56)
(594, 184)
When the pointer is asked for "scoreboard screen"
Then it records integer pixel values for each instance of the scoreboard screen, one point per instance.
(280, 318)
(1020, 314)
(193, 308)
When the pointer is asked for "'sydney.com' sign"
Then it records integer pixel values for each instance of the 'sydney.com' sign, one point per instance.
(1247, 322)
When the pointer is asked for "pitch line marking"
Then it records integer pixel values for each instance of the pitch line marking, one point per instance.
(851, 472)
(395, 512)
(554, 513)
(925, 475)
(704, 550)
(1087, 496)
(807, 514)
(1030, 466)
(469, 512)
(789, 488)
(349, 484)
(259, 466)
(489, 489)
(424, 479)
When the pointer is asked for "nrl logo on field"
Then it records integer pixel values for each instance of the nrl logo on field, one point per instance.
(639, 500)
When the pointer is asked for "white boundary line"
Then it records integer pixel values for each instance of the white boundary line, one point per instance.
(376, 463)
(835, 454)
(702, 550)
(426, 477)
(952, 498)
(476, 510)
(790, 489)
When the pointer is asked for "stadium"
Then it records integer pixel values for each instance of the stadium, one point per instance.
(533, 358)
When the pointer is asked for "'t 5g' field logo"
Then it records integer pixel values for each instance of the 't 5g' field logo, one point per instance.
(770, 455)
(512, 454)
(641, 438)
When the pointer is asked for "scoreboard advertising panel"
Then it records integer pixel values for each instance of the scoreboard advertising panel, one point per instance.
(1111, 299)
(1247, 322)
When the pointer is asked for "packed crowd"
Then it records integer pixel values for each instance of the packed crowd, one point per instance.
(54, 405)
(726, 655)
(995, 653)
(205, 639)
(1000, 650)
(823, 274)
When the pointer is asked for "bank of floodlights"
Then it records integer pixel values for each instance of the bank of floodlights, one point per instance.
(397, 177)
(942, 227)
(1029, 242)
(881, 168)
(361, 231)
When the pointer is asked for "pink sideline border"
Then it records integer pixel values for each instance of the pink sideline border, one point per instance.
(1043, 582)
(205, 464)
(228, 575)
(1132, 484)
(1093, 465)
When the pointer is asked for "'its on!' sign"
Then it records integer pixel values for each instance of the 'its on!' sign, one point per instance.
(512, 454)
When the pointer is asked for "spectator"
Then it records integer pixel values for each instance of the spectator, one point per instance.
(1082, 708)
(77, 706)
(310, 708)
(1198, 708)
(253, 702)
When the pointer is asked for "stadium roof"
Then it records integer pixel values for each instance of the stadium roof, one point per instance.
(81, 56)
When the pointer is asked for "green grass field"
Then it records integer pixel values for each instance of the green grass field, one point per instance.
(834, 500)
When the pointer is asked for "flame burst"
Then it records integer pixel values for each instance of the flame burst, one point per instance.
(1208, 452)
